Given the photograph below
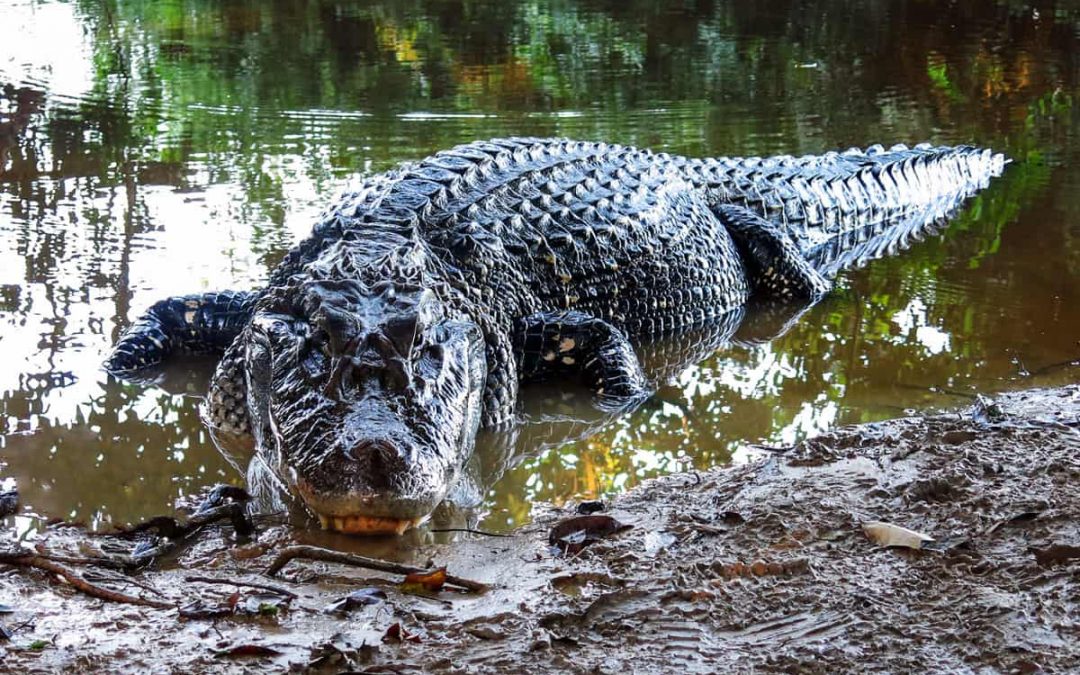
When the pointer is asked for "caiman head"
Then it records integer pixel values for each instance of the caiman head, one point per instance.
(365, 400)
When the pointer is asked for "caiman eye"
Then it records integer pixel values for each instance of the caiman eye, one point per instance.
(319, 343)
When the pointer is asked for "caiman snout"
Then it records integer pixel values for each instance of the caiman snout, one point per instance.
(376, 483)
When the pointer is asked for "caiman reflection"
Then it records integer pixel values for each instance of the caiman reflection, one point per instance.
(422, 300)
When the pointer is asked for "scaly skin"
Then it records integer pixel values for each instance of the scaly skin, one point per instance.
(424, 298)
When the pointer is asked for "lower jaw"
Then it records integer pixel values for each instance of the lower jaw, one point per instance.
(367, 525)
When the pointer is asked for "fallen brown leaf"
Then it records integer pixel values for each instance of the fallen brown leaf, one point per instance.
(397, 633)
(421, 582)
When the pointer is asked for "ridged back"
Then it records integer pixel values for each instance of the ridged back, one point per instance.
(844, 208)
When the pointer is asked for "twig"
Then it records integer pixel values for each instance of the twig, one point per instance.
(115, 563)
(77, 582)
(469, 530)
(249, 584)
(123, 579)
(325, 555)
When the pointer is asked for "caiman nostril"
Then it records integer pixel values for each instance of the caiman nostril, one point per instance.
(380, 460)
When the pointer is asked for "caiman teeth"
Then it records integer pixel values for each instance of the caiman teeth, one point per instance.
(367, 524)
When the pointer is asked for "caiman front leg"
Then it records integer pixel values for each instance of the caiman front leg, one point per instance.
(226, 404)
(203, 324)
(574, 343)
(778, 270)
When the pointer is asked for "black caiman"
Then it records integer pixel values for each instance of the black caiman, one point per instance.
(425, 297)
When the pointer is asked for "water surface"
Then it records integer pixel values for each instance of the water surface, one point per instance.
(149, 149)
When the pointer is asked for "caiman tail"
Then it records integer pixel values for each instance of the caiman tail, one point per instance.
(843, 209)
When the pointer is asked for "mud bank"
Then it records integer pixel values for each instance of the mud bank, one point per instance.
(764, 567)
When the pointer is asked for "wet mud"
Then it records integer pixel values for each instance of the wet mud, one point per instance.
(778, 565)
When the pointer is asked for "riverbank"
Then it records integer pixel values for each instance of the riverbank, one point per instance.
(771, 566)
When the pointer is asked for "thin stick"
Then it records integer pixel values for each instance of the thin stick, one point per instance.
(78, 583)
(100, 561)
(469, 530)
(325, 555)
(248, 584)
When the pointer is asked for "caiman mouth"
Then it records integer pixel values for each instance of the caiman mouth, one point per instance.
(367, 525)
(364, 514)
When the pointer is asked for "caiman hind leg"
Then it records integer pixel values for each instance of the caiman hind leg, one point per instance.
(776, 267)
(572, 342)
(206, 323)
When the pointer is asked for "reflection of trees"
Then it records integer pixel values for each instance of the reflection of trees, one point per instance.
(110, 455)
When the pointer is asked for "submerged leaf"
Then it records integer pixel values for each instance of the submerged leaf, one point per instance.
(889, 535)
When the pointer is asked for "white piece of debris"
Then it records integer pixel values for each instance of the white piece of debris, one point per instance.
(887, 534)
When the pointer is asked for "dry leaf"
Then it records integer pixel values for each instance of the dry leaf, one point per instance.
(397, 633)
(888, 535)
(247, 650)
(424, 582)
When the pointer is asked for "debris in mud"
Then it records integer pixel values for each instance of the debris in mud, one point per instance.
(572, 535)
(9, 503)
(1055, 554)
(987, 410)
(237, 582)
(339, 651)
(47, 563)
(360, 598)
(655, 542)
(223, 502)
(424, 582)
(590, 507)
(263, 604)
(894, 536)
(397, 633)
(247, 650)
(198, 610)
(760, 568)
(285, 556)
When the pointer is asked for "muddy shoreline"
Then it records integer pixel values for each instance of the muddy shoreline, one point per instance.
(762, 567)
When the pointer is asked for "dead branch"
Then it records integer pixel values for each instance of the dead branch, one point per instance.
(247, 584)
(469, 530)
(77, 582)
(325, 555)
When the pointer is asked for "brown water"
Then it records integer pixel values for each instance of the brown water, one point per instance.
(149, 149)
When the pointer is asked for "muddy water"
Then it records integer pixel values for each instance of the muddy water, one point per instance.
(149, 149)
